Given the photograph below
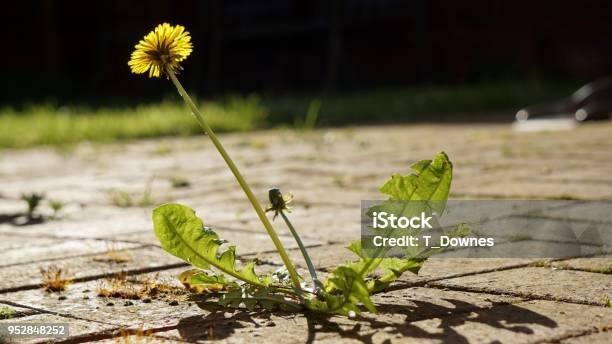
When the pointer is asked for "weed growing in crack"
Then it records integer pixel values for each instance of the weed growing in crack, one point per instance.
(7, 312)
(32, 200)
(124, 199)
(145, 288)
(179, 182)
(134, 336)
(56, 206)
(55, 279)
(121, 199)
(217, 276)
(113, 254)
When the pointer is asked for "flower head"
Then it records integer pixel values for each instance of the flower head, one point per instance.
(160, 49)
(278, 201)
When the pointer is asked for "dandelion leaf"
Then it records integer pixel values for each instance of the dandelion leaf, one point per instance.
(201, 282)
(182, 234)
(352, 283)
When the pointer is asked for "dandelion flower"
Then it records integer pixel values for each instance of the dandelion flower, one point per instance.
(161, 49)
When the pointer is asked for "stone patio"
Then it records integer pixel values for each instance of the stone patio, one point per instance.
(105, 229)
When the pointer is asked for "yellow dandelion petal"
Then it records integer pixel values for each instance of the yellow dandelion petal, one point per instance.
(161, 49)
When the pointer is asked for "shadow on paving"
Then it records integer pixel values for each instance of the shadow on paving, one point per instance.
(21, 219)
(218, 325)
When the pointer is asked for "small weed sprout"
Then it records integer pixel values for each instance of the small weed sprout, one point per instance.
(33, 201)
(121, 199)
(7, 312)
(124, 199)
(179, 182)
(606, 269)
(162, 149)
(340, 181)
(147, 197)
(55, 279)
(56, 206)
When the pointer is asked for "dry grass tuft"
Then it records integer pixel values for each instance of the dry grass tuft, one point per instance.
(55, 279)
(139, 335)
(139, 288)
(113, 255)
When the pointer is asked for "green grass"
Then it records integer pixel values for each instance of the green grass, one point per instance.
(474, 102)
(57, 126)
(50, 125)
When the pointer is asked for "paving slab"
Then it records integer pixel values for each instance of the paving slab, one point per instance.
(602, 337)
(149, 313)
(599, 264)
(53, 249)
(329, 171)
(243, 327)
(15, 311)
(246, 242)
(140, 338)
(416, 314)
(77, 327)
(326, 257)
(536, 282)
(83, 267)
(327, 223)
(514, 323)
(81, 301)
(590, 212)
(15, 241)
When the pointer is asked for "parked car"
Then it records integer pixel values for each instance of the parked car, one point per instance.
(592, 101)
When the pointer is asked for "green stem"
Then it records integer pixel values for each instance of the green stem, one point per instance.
(243, 184)
(311, 268)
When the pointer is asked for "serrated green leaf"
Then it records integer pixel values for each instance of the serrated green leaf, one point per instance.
(345, 288)
(430, 182)
(390, 268)
(346, 285)
(182, 234)
(232, 299)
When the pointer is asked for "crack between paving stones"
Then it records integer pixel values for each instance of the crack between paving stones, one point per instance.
(222, 227)
(112, 333)
(19, 314)
(496, 196)
(74, 256)
(241, 230)
(561, 219)
(44, 311)
(572, 334)
(527, 297)
(246, 256)
(107, 334)
(431, 283)
(42, 235)
(98, 276)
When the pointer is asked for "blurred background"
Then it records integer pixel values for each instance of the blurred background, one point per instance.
(259, 64)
